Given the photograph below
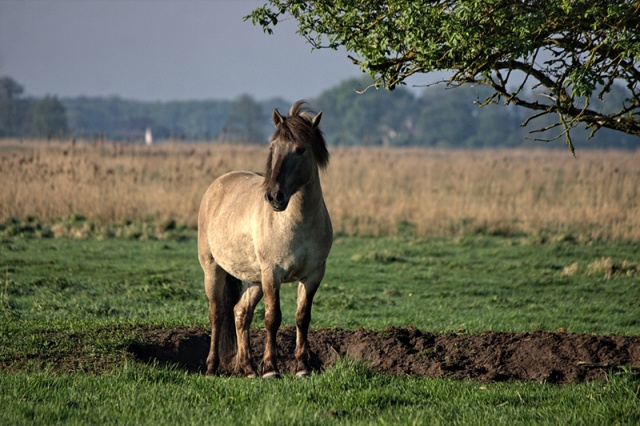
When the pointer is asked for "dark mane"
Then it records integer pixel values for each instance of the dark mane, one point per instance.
(298, 126)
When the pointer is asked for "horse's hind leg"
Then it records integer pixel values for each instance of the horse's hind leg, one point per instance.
(306, 291)
(214, 283)
(243, 313)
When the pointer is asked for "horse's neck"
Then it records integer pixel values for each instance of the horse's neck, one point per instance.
(308, 201)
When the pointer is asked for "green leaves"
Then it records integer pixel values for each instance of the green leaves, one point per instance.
(584, 81)
(584, 45)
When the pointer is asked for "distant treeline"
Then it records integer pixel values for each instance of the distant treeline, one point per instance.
(20, 116)
(437, 117)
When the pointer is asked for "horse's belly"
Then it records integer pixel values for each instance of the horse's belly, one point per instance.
(295, 262)
(239, 265)
(246, 266)
(243, 263)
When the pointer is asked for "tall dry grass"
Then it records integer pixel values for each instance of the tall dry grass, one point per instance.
(501, 191)
(368, 191)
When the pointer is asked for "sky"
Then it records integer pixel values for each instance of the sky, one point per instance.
(160, 50)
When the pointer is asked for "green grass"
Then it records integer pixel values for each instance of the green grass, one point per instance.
(348, 393)
(61, 280)
(475, 283)
(101, 290)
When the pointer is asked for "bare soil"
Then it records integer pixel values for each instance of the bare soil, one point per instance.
(540, 356)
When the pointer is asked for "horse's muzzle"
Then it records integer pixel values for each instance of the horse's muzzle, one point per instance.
(278, 201)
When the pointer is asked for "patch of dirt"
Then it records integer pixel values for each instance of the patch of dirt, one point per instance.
(491, 356)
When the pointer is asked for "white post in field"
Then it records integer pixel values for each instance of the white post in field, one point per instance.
(148, 137)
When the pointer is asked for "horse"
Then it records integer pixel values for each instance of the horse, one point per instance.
(259, 230)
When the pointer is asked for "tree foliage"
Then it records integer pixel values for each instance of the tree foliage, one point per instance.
(20, 116)
(371, 118)
(550, 56)
(437, 117)
(48, 118)
(13, 109)
(123, 119)
(245, 121)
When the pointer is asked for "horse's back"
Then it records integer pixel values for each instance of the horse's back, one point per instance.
(230, 194)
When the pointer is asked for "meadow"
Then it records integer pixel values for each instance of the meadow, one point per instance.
(97, 248)
(72, 309)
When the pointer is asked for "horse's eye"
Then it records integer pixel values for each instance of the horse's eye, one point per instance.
(299, 150)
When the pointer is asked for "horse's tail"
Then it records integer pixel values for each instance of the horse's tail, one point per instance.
(228, 341)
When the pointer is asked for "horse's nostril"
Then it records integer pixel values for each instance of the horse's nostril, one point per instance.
(276, 199)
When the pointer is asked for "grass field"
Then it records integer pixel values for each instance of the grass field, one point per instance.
(347, 394)
(56, 292)
(435, 284)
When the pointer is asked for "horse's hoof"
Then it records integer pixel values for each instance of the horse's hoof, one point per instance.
(303, 373)
(252, 376)
(271, 375)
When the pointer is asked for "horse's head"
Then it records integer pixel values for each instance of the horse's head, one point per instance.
(296, 150)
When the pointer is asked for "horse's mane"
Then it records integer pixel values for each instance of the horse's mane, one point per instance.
(298, 125)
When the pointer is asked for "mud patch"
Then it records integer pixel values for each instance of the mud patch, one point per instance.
(491, 356)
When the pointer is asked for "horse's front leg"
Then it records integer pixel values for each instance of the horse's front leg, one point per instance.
(306, 291)
(243, 313)
(272, 320)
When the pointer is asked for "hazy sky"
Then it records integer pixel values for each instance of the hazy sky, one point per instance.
(159, 50)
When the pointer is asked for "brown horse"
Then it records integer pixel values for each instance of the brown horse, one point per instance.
(258, 231)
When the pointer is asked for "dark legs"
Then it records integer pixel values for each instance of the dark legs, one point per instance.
(303, 319)
(306, 291)
(243, 313)
(215, 278)
(272, 320)
(214, 281)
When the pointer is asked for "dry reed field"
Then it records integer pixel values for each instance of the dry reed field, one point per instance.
(369, 191)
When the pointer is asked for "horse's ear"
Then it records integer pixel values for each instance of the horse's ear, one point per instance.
(277, 118)
(316, 120)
